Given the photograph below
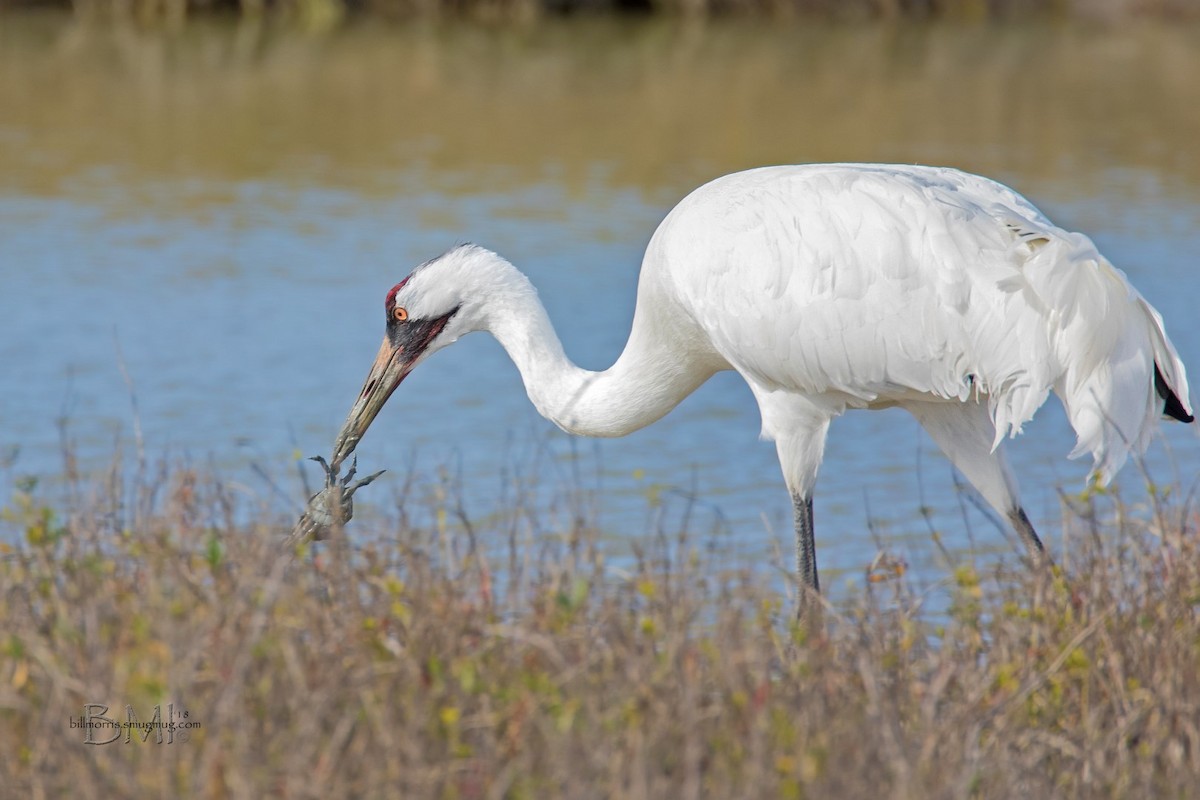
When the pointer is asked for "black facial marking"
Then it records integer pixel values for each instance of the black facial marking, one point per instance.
(414, 335)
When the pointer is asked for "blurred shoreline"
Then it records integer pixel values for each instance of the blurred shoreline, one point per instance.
(331, 13)
(357, 104)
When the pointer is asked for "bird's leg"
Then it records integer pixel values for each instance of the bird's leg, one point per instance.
(1033, 545)
(965, 432)
(807, 584)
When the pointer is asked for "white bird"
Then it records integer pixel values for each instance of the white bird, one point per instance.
(827, 288)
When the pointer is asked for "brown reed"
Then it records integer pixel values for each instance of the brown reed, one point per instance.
(453, 658)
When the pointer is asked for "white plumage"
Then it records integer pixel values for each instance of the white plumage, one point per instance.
(831, 287)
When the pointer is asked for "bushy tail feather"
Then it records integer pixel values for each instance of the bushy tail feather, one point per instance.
(1111, 396)
(1106, 347)
(1170, 370)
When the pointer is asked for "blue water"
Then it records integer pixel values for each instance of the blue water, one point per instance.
(246, 330)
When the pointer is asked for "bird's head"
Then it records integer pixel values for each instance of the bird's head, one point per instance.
(437, 303)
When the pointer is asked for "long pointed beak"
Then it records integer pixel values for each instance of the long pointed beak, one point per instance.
(389, 370)
(399, 353)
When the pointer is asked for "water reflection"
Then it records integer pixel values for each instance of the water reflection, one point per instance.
(652, 106)
(230, 203)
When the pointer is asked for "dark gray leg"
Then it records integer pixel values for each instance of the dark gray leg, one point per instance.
(1020, 521)
(808, 585)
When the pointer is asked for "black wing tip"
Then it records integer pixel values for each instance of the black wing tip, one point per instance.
(1171, 407)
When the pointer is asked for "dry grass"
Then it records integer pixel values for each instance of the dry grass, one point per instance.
(393, 670)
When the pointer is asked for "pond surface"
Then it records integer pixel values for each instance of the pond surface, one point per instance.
(219, 213)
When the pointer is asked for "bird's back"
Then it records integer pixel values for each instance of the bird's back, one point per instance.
(877, 284)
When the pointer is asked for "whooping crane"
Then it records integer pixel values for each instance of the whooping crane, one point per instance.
(827, 288)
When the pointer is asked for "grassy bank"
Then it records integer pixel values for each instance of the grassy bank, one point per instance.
(411, 665)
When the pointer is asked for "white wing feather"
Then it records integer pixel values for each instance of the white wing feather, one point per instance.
(877, 284)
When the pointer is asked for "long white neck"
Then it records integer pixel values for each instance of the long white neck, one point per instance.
(656, 370)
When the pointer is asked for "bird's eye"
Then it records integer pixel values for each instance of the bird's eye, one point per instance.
(400, 314)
